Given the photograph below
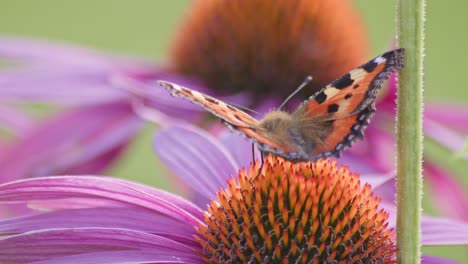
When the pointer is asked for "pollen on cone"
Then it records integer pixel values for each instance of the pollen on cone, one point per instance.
(268, 48)
(279, 224)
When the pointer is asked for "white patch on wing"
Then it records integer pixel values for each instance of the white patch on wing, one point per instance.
(357, 75)
(379, 60)
(331, 91)
(343, 105)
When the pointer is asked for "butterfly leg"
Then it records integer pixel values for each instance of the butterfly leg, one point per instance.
(253, 153)
(261, 165)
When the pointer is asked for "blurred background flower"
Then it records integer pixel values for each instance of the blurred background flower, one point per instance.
(147, 30)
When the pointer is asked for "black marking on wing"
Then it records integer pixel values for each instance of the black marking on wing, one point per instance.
(342, 82)
(355, 132)
(210, 99)
(370, 66)
(333, 108)
(394, 62)
(321, 97)
(232, 108)
(347, 96)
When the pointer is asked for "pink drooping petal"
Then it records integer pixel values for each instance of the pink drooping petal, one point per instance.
(452, 115)
(53, 243)
(443, 231)
(195, 156)
(84, 140)
(107, 189)
(425, 259)
(434, 230)
(447, 137)
(449, 195)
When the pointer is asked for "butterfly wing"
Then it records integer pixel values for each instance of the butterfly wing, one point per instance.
(234, 118)
(347, 104)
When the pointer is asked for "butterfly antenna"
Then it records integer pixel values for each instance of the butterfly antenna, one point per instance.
(306, 82)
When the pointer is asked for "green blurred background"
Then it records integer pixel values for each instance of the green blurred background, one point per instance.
(145, 28)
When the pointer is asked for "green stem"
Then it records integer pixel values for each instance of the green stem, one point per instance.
(409, 131)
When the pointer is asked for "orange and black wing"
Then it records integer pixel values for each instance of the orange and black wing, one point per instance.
(234, 118)
(348, 103)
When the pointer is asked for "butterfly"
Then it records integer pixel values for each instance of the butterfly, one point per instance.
(322, 126)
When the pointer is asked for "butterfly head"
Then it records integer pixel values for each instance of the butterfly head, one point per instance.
(276, 123)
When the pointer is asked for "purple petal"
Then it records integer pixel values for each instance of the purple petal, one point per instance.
(377, 180)
(125, 218)
(239, 147)
(453, 203)
(126, 257)
(440, 231)
(195, 156)
(85, 140)
(46, 244)
(437, 260)
(107, 189)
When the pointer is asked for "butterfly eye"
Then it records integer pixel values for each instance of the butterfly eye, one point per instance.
(268, 125)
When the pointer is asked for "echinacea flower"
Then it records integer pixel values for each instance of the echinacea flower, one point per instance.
(266, 58)
(284, 213)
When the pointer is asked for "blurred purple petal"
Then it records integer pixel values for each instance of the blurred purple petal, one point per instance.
(152, 99)
(196, 157)
(377, 180)
(15, 121)
(450, 197)
(81, 141)
(375, 154)
(86, 240)
(452, 115)
(57, 85)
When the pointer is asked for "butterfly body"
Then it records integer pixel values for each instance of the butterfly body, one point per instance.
(322, 126)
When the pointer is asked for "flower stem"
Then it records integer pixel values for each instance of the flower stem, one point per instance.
(409, 131)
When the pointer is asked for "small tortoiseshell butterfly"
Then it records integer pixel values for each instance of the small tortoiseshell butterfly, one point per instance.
(322, 126)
